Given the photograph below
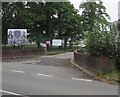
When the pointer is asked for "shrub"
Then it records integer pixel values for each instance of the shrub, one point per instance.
(101, 44)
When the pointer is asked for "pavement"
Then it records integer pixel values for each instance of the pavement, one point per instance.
(49, 75)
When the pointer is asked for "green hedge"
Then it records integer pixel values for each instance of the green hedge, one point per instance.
(103, 44)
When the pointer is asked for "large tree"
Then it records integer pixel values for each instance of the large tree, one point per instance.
(12, 18)
(42, 19)
(68, 22)
(99, 41)
(7, 16)
(94, 16)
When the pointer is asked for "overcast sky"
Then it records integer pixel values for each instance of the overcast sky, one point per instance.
(111, 6)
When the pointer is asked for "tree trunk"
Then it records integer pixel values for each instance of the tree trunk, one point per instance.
(65, 44)
(38, 44)
(71, 44)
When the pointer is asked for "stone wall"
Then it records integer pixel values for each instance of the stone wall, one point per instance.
(94, 64)
(20, 53)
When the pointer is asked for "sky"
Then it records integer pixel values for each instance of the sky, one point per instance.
(111, 7)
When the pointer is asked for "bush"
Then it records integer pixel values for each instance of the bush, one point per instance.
(103, 44)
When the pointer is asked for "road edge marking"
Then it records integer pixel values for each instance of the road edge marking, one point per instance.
(18, 71)
(9, 92)
(82, 79)
(44, 75)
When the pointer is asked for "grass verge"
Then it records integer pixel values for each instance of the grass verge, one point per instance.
(112, 77)
(54, 51)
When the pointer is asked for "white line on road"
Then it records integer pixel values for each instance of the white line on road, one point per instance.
(9, 92)
(18, 71)
(82, 79)
(44, 75)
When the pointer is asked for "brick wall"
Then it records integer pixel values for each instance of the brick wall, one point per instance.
(94, 64)
(26, 52)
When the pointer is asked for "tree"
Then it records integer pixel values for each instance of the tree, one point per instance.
(68, 22)
(42, 20)
(17, 15)
(94, 16)
(35, 19)
(99, 41)
(118, 45)
(7, 12)
(12, 17)
(53, 20)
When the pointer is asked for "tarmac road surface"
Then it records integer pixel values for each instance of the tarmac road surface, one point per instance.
(49, 75)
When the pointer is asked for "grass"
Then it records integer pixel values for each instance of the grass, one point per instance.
(32, 46)
(7, 47)
(56, 50)
(52, 51)
(110, 77)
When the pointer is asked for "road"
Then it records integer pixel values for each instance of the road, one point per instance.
(49, 75)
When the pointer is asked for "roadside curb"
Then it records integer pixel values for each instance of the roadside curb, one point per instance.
(16, 57)
(84, 70)
(88, 72)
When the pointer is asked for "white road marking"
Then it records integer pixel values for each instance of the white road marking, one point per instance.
(9, 92)
(82, 79)
(44, 75)
(18, 71)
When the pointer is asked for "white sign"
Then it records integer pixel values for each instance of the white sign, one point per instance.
(17, 36)
(56, 42)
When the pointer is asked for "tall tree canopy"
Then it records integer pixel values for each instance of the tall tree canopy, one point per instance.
(94, 16)
(42, 19)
